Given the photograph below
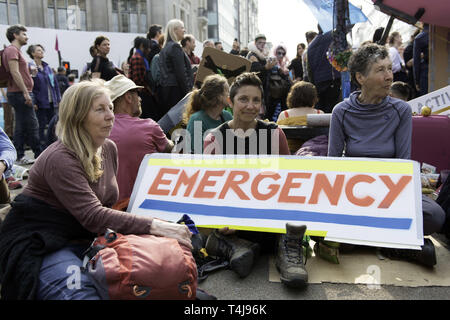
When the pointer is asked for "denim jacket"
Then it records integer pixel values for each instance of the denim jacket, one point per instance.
(46, 79)
(7, 151)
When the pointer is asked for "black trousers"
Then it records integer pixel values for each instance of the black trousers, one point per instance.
(329, 95)
(170, 96)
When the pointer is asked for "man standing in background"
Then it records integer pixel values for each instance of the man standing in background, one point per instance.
(154, 32)
(20, 96)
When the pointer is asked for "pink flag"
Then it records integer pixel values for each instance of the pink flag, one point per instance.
(56, 44)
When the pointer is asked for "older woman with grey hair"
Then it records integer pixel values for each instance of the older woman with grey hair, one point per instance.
(176, 73)
(372, 124)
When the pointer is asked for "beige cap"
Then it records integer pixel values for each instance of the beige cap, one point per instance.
(119, 85)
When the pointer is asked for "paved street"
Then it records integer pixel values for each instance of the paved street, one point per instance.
(227, 286)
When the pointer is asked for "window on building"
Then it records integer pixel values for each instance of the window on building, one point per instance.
(3, 12)
(129, 16)
(13, 11)
(67, 14)
(9, 12)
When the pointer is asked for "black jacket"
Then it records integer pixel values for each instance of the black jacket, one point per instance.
(154, 50)
(31, 230)
(321, 71)
(175, 68)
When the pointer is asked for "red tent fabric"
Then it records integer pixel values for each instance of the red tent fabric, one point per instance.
(437, 12)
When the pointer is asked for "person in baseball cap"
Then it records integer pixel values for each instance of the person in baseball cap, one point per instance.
(134, 137)
(260, 36)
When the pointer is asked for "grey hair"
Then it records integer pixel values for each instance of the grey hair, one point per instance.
(364, 57)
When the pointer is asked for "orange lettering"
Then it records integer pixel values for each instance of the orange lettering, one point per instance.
(288, 185)
(205, 182)
(189, 181)
(273, 187)
(394, 189)
(158, 181)
(234, 185)
(362, 202)
(333, 192)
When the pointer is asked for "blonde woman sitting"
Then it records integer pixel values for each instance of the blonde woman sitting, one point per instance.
(301, 100)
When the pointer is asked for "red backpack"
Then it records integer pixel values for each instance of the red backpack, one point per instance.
(141, 267)
(4, 75)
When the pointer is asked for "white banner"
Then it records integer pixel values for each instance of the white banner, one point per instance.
(373, 202)
(438, 101)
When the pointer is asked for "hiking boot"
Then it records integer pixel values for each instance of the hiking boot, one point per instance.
(425, 257)
(289, 260)
(241, 253)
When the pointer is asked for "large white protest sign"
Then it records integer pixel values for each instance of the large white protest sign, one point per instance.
(354, 200)
(438, 101)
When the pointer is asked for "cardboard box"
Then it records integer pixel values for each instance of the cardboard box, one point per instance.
(215, 61)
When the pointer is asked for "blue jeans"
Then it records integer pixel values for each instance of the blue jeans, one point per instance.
(27, 126)
(61, 277)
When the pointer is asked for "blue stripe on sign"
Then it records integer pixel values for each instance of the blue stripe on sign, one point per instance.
(273, 214)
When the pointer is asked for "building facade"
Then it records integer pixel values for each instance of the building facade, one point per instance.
(127, 16)
(232, 19)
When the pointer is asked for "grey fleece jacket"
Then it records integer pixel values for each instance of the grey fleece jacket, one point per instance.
(373, 131)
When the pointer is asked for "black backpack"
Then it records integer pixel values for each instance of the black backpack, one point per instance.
(278, 86)
(4, 75)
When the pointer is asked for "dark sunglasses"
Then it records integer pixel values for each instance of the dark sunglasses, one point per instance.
(281, 53)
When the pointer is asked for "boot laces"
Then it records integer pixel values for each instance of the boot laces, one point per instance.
(293, 249)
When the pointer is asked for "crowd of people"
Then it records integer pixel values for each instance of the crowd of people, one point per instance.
(89, 138)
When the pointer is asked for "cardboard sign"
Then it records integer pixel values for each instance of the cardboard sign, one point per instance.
(215, 61)
(353, 200)
(438, 101)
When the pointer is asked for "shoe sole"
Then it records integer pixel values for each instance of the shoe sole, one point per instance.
(243, 265)
(293, 283)
(431, 261)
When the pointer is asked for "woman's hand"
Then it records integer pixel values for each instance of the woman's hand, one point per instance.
(180, 232)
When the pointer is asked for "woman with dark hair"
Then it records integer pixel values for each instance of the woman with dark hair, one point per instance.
(140, 74)
(46, 90)
(101, 67)
(176, 72)
(206, 106)
(372, 124)
(296, 65)
(301, 100)
(245, 134)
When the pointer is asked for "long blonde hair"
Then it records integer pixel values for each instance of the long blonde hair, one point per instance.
(73, 111)
(170, 31)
